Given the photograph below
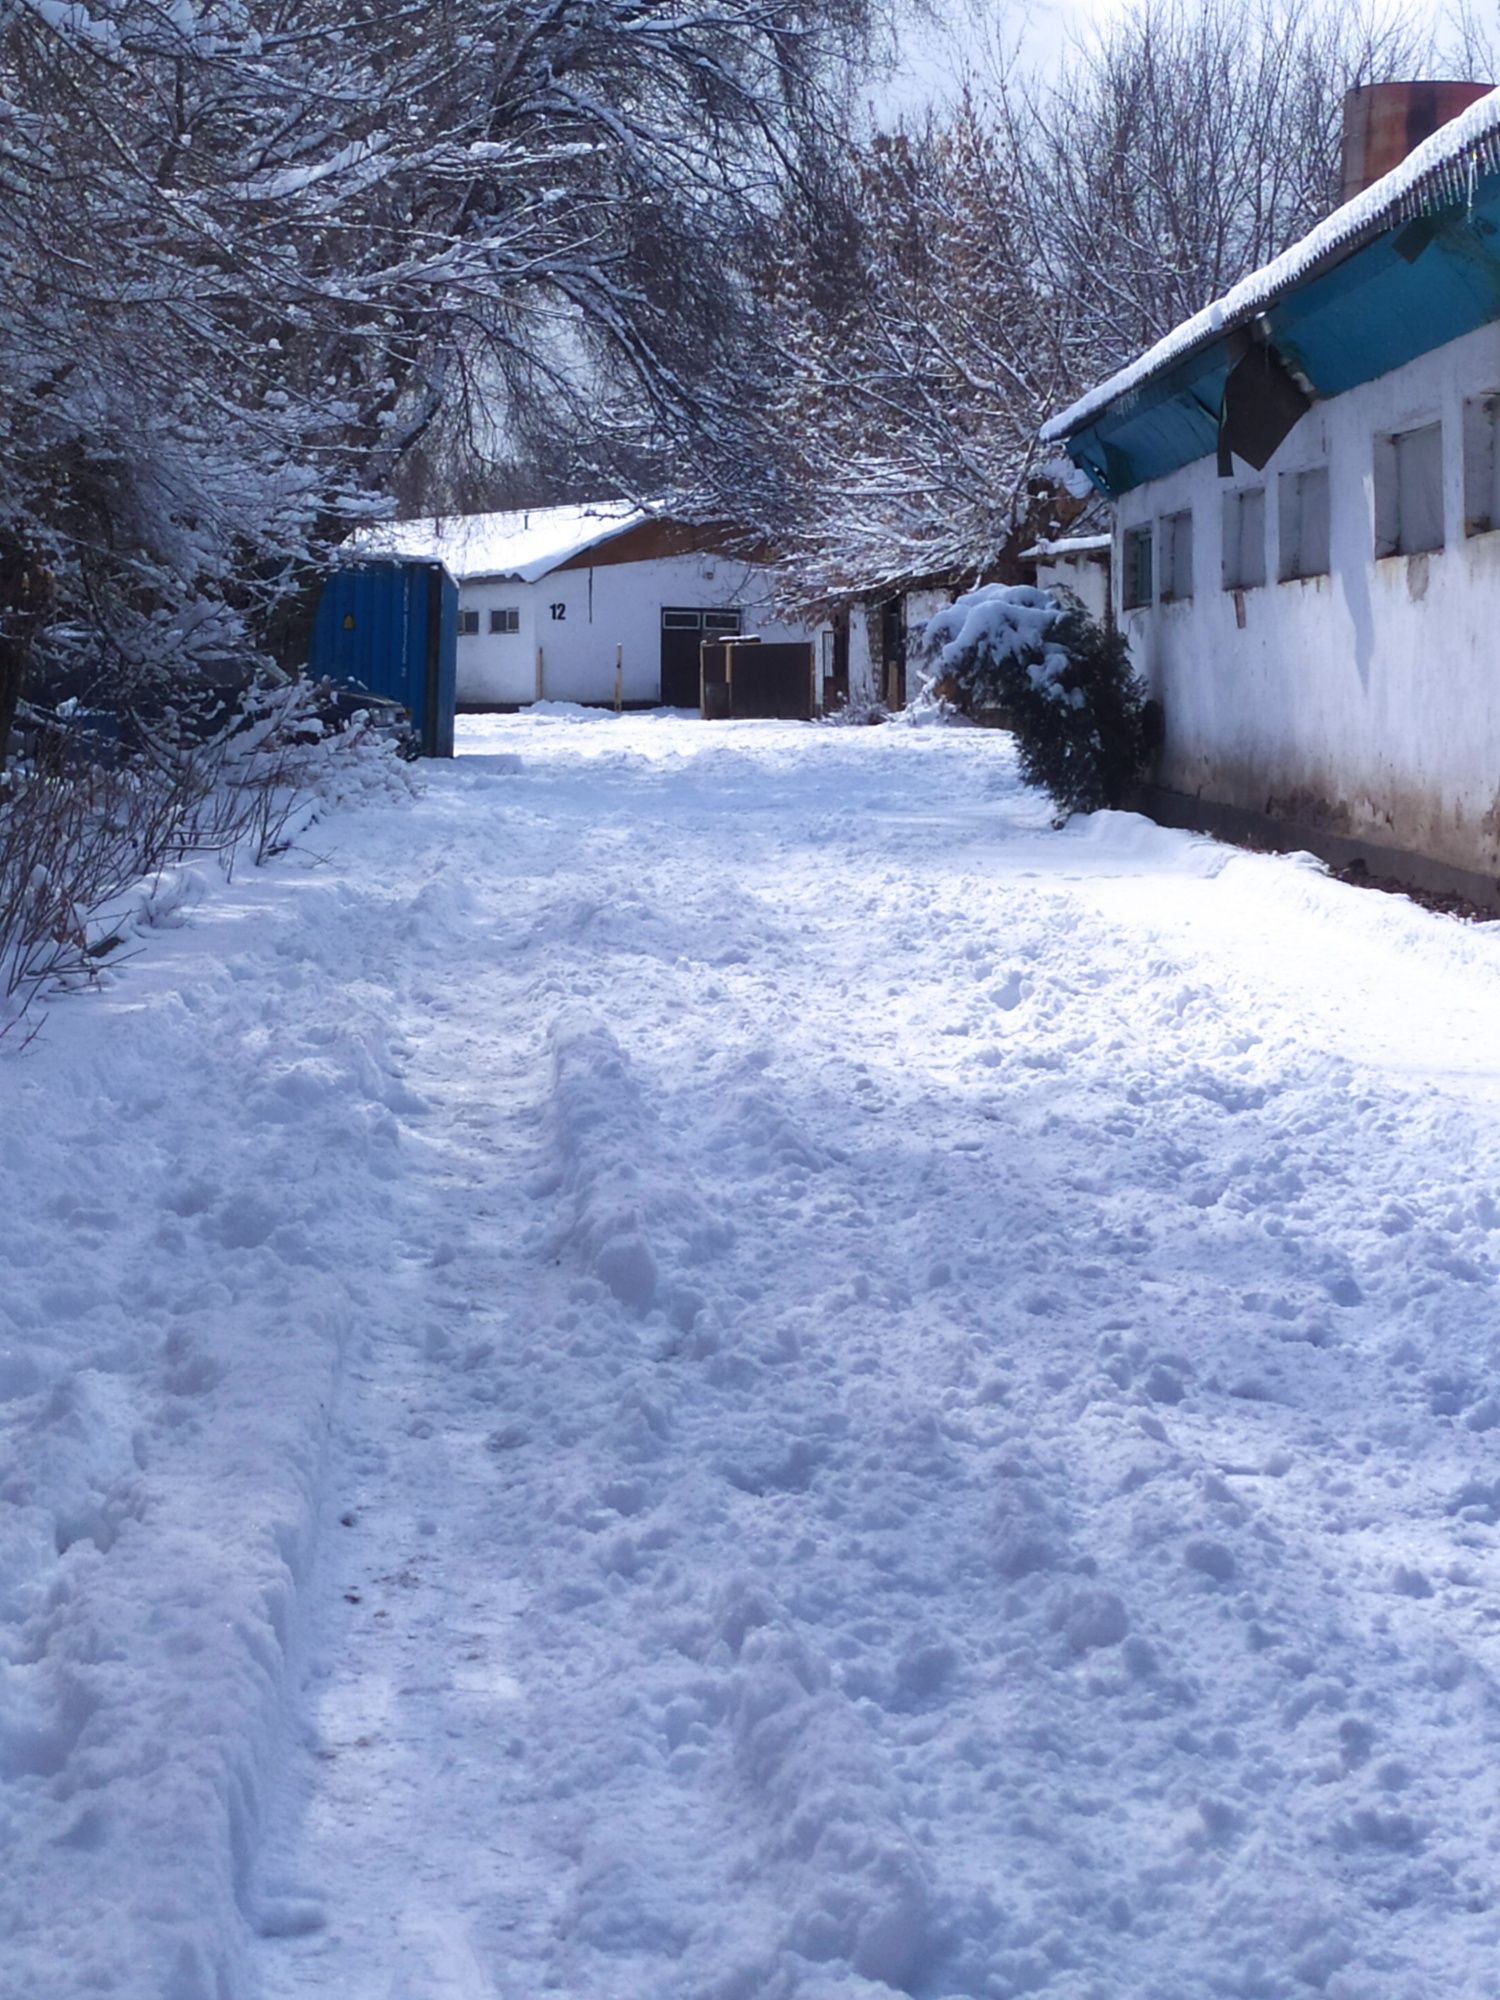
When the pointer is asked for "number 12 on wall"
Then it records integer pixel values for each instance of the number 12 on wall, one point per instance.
(559, 612)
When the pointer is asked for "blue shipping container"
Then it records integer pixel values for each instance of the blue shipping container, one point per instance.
(392, 627)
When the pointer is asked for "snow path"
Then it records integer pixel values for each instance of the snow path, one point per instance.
(914, 1405)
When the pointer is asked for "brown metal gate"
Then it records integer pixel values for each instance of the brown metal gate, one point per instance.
(745, 678)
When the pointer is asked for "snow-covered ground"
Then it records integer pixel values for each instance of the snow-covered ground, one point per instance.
(709, 1365)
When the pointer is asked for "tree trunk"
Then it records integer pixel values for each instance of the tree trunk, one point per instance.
(25, 593)
(12, 672)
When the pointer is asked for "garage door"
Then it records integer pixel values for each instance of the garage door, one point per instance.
(683, 629)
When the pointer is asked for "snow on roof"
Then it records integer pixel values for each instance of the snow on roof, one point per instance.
(1066, 545)
(524, 544)
(1446, 163)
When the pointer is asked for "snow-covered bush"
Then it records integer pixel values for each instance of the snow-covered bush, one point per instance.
(89, 819)
(1064, 682)
(858, 712)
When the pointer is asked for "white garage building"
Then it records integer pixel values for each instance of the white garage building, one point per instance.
(554, 600)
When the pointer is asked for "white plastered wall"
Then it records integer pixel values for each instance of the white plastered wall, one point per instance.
(578, 617)
(921, 605)
(1086, 576)
(861, 657)
(1365, 702)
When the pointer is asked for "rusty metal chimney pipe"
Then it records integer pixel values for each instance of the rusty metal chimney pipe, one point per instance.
(1383, 122)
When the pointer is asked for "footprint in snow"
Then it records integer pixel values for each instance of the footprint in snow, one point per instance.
(1009, 993)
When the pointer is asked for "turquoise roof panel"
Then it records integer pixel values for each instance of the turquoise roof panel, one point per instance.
(1413, 288)
(1408, 292)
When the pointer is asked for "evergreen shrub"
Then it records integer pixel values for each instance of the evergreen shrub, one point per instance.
(1080, 715)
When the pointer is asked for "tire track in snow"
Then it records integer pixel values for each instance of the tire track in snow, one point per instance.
(1038, 1541)
(178, 1322)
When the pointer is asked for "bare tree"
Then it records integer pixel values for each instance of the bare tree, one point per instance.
(1027, 243)
(914, 409)
(1191, 143)
(255, 251)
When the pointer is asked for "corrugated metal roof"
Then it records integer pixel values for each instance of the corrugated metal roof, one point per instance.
(1408, 265)
(526, 544)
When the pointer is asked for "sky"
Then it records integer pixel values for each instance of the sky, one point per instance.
(933, 52)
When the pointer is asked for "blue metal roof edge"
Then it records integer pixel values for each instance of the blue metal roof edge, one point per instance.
(1430, 274)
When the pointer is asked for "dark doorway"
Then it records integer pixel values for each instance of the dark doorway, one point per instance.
(893, 653)
(683, 631)
(836, 680)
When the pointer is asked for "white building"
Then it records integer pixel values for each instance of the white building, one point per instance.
(1078, 564)
(882, 633)
(553, 600)
(1307, 540)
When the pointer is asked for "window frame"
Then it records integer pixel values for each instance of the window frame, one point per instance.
(1291, 517)
(724, 620)
(1481, 443)
(505, 620)
(1395, 454)
(1176, 539)
(1236, 503)
(1137, 554)
(468, 624)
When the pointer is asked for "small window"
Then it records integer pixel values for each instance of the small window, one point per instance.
(1302, 500)
(682, 621)
(1177, 557)
(506, 618)
(721, 621)
(1245, 538)
(1135, 569)
(1481, 466)
(468, 624)
(1409, 492)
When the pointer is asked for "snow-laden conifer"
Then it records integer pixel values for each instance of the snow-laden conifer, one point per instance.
(1063, 682)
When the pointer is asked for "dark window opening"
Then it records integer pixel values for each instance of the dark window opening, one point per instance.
(1135, 569)
(1409, 492)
